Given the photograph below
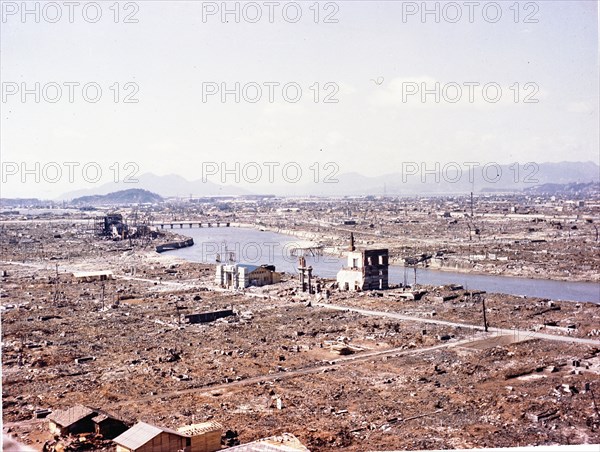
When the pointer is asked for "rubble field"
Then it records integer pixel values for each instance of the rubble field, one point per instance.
(283, 360)
(547, 237)
(502, 311)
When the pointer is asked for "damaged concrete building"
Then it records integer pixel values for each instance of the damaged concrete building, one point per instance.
(111, 225)
(366, 270)
(240, 276)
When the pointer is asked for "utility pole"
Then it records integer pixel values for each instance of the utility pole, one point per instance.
(471, 204)
(485, 324)
(56, 286)
(472, 190)
(103, 295)
(594, 400)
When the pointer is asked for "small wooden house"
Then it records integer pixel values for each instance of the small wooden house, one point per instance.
(77, 419)
(205, 437)
(144, 437)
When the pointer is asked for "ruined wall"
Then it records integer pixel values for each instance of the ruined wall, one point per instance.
(375, 270)
(367, 270)
(350, 279)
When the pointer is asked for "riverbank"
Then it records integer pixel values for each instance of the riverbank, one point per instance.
(482, 267)
(170, 246)
(240, 240)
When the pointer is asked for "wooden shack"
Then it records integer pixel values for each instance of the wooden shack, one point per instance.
(144, 437)
(205, 437)
(77, 419)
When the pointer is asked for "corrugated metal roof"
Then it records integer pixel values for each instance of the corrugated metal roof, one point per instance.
(140, 434)
(66, 418)
(248, 267)
(92, 273)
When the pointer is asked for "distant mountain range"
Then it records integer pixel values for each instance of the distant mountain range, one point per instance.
(504, 178)
(168, 186)
(140, 196)
(131, 196)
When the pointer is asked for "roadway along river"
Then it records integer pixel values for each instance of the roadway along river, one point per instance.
(251, 246)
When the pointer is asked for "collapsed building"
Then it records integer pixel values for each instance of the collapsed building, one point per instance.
(240, 276)
(366, 269)
(115, 227)
(111, 225)
(305, 274)
(205, 317)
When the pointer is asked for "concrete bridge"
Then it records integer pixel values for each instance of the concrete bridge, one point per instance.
(189, 224)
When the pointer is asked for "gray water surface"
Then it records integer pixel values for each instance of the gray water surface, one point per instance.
(257, 247)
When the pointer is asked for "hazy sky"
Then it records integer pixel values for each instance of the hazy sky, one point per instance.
(374, 55)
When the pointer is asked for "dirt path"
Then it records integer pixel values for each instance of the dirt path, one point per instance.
(522, 334)
(331, 364)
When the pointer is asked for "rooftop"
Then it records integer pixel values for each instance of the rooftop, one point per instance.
(68, 417)
(249, 267)
(286, 442)
(93, 273)
(140, 434)
(199, 429)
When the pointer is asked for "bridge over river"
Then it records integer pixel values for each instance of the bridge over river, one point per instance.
(189, 224)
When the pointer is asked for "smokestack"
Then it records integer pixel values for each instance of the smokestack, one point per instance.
(352, 247)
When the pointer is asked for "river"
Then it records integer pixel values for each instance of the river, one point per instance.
(252, 246)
